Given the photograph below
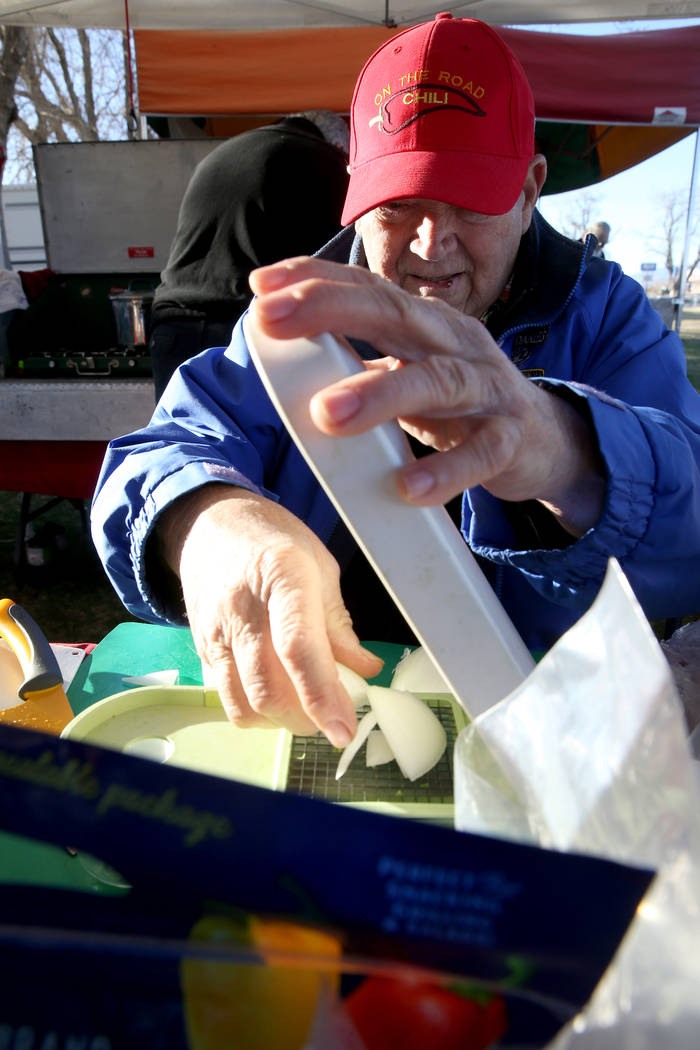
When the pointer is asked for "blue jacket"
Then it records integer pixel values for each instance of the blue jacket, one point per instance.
(574, 323)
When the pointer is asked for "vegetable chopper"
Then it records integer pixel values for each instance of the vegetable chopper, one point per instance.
(187, 726)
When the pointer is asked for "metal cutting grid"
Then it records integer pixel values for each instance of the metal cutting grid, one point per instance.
(313, 762)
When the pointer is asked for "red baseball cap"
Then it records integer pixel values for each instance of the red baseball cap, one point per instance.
(441, 111)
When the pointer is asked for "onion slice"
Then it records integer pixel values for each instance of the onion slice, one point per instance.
(366, 725)
(413, 732)
(354, 685)
(417, 673)
(378, 751)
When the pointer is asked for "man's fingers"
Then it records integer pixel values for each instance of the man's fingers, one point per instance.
(313, 306)
(223, 675)
(357, 304)
(256, 690)
(490, 450)
(440, 387)
(306, 656)
(345, 645)
(279, 275)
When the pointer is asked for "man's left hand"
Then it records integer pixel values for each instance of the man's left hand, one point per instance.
(447, 382)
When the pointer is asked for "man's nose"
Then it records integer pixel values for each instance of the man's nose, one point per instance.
(434, 236)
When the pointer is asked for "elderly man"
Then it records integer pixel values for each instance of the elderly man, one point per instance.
(544, 387)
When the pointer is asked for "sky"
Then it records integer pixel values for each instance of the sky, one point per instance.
(629, 201)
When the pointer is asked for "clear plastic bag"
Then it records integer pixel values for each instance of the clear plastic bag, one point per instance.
(591, 755)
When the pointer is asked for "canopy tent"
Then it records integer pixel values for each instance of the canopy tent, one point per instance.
(288, 14)
(604, 83)
(629, 95)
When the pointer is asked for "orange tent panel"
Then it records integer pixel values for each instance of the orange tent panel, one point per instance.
(621, 147)
(627, 78)
(181, 72)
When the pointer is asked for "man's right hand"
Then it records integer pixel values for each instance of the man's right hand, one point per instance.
(263, 601)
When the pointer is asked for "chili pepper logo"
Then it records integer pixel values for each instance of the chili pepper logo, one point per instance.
(401, 108)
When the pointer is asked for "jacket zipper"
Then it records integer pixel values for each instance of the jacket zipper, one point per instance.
(548, 321)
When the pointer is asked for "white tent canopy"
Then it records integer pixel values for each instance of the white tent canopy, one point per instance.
(288, 14)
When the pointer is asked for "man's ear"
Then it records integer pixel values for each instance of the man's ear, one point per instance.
(534, 181)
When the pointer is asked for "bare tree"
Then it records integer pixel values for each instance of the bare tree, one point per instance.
(15, 44)
(70, 85)
(692, 260)
(671, 233)
(675, 209)
(584, 213)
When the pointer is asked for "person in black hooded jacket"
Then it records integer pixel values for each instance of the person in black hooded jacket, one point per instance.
(267, 194)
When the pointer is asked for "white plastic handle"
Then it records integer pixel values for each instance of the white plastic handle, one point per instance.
(417, 552)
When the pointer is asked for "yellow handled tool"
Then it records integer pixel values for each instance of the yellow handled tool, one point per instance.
(45, 706)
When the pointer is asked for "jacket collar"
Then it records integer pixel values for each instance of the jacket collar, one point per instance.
(547, 271)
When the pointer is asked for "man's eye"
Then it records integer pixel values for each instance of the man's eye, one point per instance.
(392, 209)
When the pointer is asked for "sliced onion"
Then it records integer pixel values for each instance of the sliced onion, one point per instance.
(414, 734)
(366, 725)
(417, 673)
(378, 752)
(353, 683)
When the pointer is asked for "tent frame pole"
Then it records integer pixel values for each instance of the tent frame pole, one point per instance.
(678, 311)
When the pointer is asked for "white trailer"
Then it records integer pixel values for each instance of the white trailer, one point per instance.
(22, 233)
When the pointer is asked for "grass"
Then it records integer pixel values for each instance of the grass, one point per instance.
(71, 598)
(690, 334)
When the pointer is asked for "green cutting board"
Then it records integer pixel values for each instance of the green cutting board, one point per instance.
(130, 649)
(141, 648)
(133, 649)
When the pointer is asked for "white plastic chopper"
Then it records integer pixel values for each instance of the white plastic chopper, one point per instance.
(417, 552)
